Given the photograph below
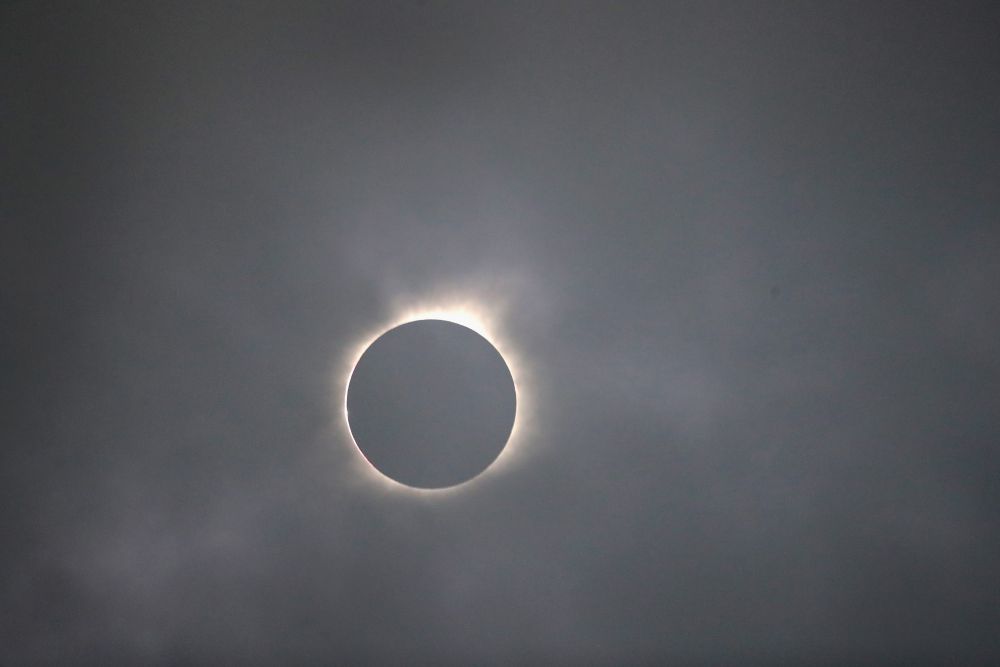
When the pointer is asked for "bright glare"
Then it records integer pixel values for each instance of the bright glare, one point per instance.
(487, 325)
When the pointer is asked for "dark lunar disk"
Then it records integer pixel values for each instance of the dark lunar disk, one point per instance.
(431, 404)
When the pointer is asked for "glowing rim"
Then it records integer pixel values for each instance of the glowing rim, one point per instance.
(471, 317)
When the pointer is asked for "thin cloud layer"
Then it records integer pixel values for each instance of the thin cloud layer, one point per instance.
(745, 254)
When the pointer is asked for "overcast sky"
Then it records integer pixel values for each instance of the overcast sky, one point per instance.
(747, 253)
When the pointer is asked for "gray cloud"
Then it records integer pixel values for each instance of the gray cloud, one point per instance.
(747, 254)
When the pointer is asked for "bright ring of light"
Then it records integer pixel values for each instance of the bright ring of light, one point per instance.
(486, 326)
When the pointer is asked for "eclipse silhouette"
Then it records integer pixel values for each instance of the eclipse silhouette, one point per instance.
(431, 404)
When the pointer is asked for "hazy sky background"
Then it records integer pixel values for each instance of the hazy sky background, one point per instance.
(749, 253)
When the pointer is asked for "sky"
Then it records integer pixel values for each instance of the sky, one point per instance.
(744, 258)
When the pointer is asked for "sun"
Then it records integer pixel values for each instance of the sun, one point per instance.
(472, 315)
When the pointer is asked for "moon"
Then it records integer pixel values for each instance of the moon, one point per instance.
(431, 404)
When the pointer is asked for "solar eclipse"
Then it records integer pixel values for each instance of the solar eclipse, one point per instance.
(430, 403)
